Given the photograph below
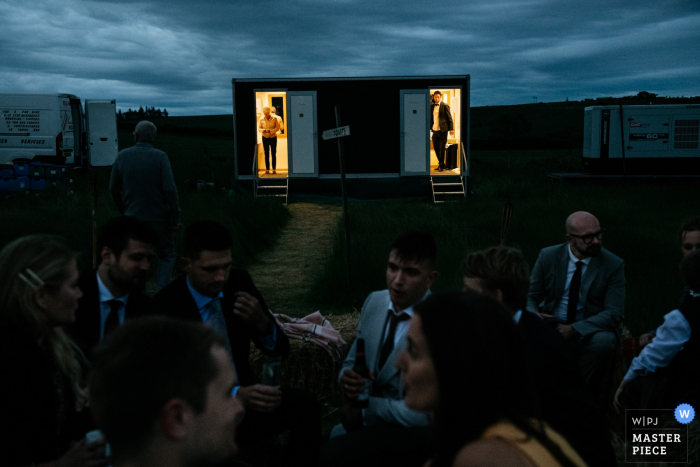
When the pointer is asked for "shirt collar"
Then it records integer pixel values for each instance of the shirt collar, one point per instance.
(574, 259)
(409, 310)
(201, 300)
(105, 294)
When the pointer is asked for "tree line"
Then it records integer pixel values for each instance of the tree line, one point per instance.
(141, 114)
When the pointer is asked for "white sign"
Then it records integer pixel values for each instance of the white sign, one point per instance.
(336, 133)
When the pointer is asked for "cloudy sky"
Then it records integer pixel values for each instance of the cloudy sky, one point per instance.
(181, 55)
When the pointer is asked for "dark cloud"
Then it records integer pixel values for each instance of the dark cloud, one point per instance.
(182, 55)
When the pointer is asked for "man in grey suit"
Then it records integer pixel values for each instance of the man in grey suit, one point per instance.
(579, 288)
(386, 426)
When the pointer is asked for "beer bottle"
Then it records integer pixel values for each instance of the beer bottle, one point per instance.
(361, 369)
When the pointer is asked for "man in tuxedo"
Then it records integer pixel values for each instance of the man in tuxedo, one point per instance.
(579, 288)
(113, 292)
(226, 299)
(565, 404)
(440, 123)
(386, 427)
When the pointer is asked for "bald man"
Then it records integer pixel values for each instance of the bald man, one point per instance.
(579, 288)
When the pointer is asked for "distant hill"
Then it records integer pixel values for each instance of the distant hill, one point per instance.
(545, 125)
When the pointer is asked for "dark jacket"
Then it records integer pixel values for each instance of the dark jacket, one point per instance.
(86, 329)
(444, 116)
(176, 301)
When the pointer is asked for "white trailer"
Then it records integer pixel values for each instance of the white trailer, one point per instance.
(54, 129)
(642, 139)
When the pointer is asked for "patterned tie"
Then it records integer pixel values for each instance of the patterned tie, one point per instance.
(574, 289)
(389, 342)
(216, 321)
(112, 321)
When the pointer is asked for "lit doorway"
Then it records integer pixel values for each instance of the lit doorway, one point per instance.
(453, 156)
(276, 100)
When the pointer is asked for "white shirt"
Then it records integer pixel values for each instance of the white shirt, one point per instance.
(670, 339)
(401, 326)
(562, 311)
(436, 119)
(106, 296)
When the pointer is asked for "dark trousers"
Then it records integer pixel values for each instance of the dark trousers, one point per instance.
(379, 445)
(270, 144)
(439, 142)
(299, 414)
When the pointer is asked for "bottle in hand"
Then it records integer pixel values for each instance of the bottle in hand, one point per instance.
(361, 369)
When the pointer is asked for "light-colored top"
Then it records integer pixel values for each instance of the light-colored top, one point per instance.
(269, 126)
(670, 339)
(401, 326)
(105, 309)
(436, 119)
(529, 450)
(516, 317)
(564, 303)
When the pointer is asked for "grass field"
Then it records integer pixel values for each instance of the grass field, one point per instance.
(255, 225)
(642, 219)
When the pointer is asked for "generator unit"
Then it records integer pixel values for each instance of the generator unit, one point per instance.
(642, 139)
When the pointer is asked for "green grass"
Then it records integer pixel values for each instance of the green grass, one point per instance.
(642, 219)
(254, 225)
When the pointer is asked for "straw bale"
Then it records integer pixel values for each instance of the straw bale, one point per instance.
(308, 366)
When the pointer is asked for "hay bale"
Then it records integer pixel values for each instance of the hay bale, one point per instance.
(308, 366)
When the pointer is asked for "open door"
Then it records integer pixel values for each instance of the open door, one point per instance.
(303, 137)
(415, 120)
(101, 122)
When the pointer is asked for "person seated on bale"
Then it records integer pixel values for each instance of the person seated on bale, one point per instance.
(465, 360)
(227, 300)
(690, 241)
(502, 273)
(666, 371)
(44, 417)
(386, 430)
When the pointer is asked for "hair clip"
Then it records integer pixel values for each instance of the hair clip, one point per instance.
(33, 275)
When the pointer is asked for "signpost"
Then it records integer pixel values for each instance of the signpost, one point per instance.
(338, 133)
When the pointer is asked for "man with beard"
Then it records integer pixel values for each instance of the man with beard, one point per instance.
(114, 291)
(579, 288)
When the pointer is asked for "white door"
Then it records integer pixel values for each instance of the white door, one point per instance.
(415, 142)
(101, 122)
(302, 134)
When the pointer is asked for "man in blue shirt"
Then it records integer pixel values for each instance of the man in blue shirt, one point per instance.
(226, 299)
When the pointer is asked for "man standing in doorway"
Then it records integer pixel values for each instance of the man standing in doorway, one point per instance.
(269, 127)
(142, 185)
(440, 123)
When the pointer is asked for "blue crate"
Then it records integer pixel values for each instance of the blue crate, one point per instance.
(37, 184)
(22, 183)
(7, 173)
(52, 172)
(21, 169)
(8, 185)
(37, 170)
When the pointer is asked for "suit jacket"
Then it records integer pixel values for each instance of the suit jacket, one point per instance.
(565, 403)
(86, 329)
(602, 289)
(176, 301)
(444, 117)
(386, 403)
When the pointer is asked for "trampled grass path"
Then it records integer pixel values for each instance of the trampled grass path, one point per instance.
(285, 273)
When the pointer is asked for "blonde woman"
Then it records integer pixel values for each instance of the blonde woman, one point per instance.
(40, 395)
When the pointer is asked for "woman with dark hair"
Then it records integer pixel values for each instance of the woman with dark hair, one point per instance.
(466, 362)
(41, 396)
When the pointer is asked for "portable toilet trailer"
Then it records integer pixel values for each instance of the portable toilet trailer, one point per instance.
(388, 119)
(650, 139)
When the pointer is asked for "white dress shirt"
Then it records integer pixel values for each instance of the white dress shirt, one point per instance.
(562, 311)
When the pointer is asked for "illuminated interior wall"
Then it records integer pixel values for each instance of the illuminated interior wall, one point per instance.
(264, 99)
(453, 98)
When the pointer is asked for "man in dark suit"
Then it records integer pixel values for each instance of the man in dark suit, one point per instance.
(565, 404)
(226, 299)
(440, 123)
(114, 291)
(579, 288)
